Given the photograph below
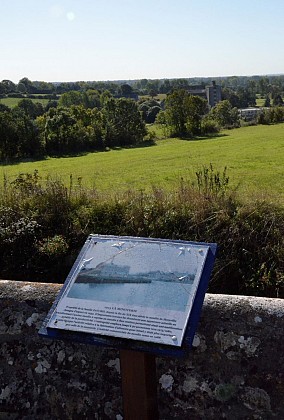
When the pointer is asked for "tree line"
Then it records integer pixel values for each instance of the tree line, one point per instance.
(94, 120)
(186, 115)
(272, 86)
(31, 130)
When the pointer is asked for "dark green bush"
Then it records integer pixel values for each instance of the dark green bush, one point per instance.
(18, 232)
(43, 225)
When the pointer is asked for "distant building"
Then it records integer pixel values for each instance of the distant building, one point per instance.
(112, 273)
(249, 114)
(211, 93)
(197, 90)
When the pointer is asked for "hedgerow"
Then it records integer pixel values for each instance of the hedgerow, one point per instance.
(44, 223)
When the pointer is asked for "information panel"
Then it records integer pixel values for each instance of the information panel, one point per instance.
(132, 288)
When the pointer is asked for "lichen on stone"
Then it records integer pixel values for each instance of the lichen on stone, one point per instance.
(256, 399)
(224, 392)
(166, 382)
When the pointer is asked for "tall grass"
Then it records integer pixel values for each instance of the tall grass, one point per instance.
(44, 223)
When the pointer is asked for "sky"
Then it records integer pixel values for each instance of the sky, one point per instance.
(92, 40)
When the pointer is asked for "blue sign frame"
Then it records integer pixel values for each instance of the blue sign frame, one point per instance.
(79, 271)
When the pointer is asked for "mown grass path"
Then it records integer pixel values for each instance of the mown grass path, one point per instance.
(254, 157)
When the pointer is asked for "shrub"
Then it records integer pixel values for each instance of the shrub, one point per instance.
(43, 225)
(15, 95)
(18, 233)
(209, 126)
(53, 247)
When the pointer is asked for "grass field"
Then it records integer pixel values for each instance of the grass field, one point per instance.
(253, 156)
(158, 97)
(12, 102)
(260, 101)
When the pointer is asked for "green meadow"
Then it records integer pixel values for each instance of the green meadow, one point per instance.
(12, 102)
(260, 101)
(254, 158)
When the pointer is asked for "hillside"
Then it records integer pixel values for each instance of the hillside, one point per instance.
(253, 156)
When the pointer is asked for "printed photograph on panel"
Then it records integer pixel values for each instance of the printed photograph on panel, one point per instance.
(141, 273)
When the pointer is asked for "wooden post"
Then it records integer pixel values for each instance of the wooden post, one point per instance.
(139, 385)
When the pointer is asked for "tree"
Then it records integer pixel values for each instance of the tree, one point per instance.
(30, 108)
(21, 87)
(209, 126)
(263, 86)
(125, 89)
(175, 114)
(267, 102)
(60, 132)
(7, 86)
(71, 98)
(165, 86)
(161, 120)
(43, 87)
(9, 144)
(18, 135)
(246, 98)
(180, 84)
(104, 97)
(231, 96)
(143, 83)
(149, 110)
(277, 100)
(4, 108)
(225, 115)
(184, 113)
(28, 85)
(152, 86)
(278, 114)
(152, 93)
(264, 117)
(123, 124)
(29, 141)
(71, 130)
(91, 99)
(241, 98)
(196, 108)
(51, 104)
(152, 114)
(252, 87)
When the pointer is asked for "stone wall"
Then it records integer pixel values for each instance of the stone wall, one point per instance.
(234, 371)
